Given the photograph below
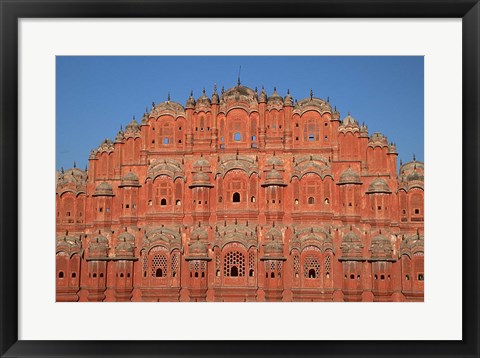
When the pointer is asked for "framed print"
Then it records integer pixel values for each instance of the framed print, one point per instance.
(243, 274)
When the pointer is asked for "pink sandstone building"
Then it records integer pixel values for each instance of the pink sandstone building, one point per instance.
(241, 196)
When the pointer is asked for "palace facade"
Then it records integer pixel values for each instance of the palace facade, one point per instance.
(241, 197)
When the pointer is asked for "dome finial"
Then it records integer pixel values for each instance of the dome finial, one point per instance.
(168, 96)
(203, 90)
(223, 89)
(215, 88)
(239, 69)
(274, 89)
(288, 91)
(74, 164)
(191, 93)
(414, 159)
(61, 169)
(328, 99)
(311, 93)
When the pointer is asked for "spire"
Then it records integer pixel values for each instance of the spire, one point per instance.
(239, 69)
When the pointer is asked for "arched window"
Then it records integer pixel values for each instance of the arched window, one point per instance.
(159, 266)
(311, 200)
(311, 263)
(61, 274)
(236, 197)
(237, 136)
(163, 202)
(234, 264)
(252, 199)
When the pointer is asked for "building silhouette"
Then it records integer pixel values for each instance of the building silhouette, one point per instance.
(241, 197)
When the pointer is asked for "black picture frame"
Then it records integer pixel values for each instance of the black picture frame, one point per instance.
(11, 11)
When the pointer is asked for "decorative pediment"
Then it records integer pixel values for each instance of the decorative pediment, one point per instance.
(168, 167)
(132, 130)
(313, 236)
(412, 245)
(239, 233)
(312, 104)
(73, 180)
(68, 245)
(237, 162)
(168, 107)
(377, 140)
(168, 238)
(311, 164)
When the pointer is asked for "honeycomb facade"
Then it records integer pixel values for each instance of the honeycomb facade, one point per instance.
(241, 196)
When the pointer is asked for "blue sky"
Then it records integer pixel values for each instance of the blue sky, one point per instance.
(97, 94)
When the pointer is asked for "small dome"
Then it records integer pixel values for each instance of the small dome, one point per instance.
(288, 101)
(103, 189)
(275, 98)
(168, 106)
(415, 176)
(379, 185)
(273, 248)
(130, 179)
(239, 93)
(273, 177)
(204, 100)
(190, 101)
(349, 121)
(349, 176)
(381, 247)
(132, 126)
(351, 237)
(198, 248)
(202, 162)
(201, 179)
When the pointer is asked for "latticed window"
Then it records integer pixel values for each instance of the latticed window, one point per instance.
(251, 264)
(145, 265)
(327, 266)
(159, 266)
(311, 267)
(296, 265)
(175, 261)
(234, 264)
